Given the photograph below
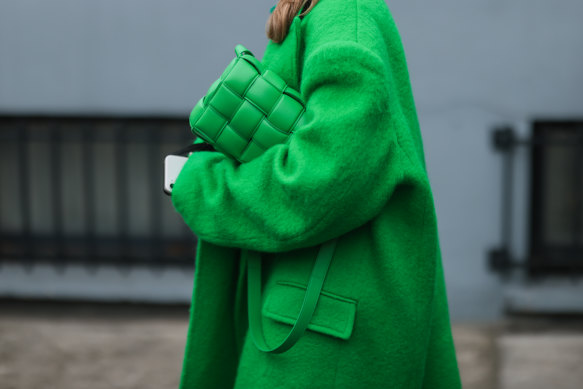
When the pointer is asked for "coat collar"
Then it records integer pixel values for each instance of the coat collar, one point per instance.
(284, 58)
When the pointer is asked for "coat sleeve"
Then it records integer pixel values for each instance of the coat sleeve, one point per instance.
(336, 173)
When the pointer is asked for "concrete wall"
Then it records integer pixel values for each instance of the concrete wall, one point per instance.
(473, 65)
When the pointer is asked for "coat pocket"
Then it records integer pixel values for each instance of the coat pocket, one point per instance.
(334, 314)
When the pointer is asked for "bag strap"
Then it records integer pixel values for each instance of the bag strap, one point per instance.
(308, 306)
(194, 147)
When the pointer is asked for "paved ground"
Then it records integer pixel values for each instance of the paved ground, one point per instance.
(64, 346)
(82, 348)
(541, 354)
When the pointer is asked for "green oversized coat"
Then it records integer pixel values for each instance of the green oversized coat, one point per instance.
(355, 170)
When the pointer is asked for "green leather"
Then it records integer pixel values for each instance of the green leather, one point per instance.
(247, 110)
(308, 306)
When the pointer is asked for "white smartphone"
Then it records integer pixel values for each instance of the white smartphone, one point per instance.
(172, 166)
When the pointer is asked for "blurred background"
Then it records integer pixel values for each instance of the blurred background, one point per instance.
(96, 268)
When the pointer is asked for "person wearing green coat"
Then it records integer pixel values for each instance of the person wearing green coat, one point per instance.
(354, 170)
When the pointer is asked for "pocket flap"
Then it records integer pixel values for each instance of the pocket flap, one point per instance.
(334, 315)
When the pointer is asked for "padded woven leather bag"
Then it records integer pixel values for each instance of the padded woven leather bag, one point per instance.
(247, 110)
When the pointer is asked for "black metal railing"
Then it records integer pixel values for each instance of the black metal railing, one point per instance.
(89, 190)
(555, 222)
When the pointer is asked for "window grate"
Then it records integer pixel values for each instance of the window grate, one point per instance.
(556, 198)
(556, 242)
(89, 190)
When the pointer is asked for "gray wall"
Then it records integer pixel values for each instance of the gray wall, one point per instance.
(473, 65)
(119, 56)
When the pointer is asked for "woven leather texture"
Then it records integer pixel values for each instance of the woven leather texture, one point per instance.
(247, 110)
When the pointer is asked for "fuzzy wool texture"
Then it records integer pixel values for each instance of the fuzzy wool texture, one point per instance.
(355, 170)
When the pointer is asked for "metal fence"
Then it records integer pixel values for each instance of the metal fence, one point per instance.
(89, 190)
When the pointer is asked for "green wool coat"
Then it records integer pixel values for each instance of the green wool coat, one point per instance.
(355, 170)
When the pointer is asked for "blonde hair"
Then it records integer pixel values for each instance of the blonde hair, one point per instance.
(280, 19)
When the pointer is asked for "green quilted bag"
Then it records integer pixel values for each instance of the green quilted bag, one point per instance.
(247, 110)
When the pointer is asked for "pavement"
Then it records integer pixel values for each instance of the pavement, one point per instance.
(93, 346)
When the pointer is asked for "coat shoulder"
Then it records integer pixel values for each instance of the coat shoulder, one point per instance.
(346, 20)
